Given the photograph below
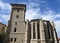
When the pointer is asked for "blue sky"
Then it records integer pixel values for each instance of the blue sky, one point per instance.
(35, 9)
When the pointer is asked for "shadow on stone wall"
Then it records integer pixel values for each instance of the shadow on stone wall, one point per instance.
(7, 38)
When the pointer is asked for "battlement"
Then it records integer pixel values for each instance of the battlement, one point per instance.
(18, 6)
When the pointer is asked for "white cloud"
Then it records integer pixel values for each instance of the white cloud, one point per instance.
(4, 18)
(31, 12)
(48, 15)
(4, 5)
(57, 23)
(0, 20)
(5, 9)
(43, 1)
(58, 15)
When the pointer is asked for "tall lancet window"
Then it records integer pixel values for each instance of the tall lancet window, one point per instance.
(34, 31)
(38, 30)
(49, 30)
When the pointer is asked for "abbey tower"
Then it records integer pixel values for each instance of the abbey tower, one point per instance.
(16, 26)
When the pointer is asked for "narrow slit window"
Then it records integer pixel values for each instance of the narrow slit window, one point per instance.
(15, 40)
(34, 31)
(11, 39)
(16, 23)
(17, 16)
(15, 29)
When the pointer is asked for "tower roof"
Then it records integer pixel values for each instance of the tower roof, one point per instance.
(39, 20)
(23, 6)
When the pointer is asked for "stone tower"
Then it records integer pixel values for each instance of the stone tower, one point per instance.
(16, 25)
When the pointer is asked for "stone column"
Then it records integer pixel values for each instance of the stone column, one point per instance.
(55, 39)
(31, 30)
(26, 32)
(36, 30)
(42, 29)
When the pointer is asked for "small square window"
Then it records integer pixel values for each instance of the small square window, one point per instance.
(17, 10)
(21, 40)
